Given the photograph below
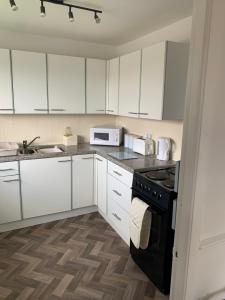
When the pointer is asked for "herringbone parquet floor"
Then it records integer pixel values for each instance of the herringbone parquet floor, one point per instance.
(80, 258)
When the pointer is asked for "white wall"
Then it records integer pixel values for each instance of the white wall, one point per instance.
(30, 42)
(173, 130)
(176, 32)
(50, 128)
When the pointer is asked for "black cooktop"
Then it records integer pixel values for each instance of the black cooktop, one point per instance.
(162, 177)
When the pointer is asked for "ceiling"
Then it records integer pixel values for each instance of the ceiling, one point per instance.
(122, 20)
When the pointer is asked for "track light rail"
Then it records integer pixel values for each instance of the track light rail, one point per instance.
(74, 6)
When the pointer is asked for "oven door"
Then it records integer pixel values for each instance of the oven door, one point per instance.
(156, 260)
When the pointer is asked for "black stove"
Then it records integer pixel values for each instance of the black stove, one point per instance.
(162, 177)
(156, 188)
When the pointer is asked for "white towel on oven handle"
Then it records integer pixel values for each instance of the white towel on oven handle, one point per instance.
(140, 219)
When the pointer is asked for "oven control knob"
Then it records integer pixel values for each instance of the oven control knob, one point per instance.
(154, 194)
(149, 189)
(159, 196)
(141, 186)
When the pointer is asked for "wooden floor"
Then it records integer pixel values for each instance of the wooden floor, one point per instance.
(80, 258)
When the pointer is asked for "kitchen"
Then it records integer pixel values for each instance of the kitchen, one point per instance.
(91, 141)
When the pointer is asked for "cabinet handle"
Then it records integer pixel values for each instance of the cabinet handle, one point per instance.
(11, 180)
(5, 170)
(109, 110)
(57, 109)
(100, 110)
(117, 173)
(132, 113)
(87, 157)
(99, 159)
(2, 176)
(6, 109)
(116, 216)
(63, 161)
(40, 109)
(143, 114)
(116, 192)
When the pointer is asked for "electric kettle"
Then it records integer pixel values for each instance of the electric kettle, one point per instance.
(163, 148)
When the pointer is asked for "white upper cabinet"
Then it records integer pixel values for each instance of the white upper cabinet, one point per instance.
(29, 82)
(66, 84)
(129, 87)
(95, 86)
(6, 100)
(163, 81)
(113, 86)
(152, 81)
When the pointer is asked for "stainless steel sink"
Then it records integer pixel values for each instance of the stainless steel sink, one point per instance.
(50, 149)
(45, 149)
(27, 151)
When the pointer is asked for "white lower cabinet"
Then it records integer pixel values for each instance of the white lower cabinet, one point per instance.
(119, 199)
(45, 186)
(101, 183)
(10, 202)
(83, 180)
(119, 218)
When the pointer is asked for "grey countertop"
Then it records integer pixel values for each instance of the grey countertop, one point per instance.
(142, 162)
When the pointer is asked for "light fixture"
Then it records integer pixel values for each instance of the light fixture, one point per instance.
(97, 19)
(13, 5)
(63, 3)
(71, 17)
(42, 10)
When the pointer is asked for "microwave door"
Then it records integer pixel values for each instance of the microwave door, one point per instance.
(101, 136)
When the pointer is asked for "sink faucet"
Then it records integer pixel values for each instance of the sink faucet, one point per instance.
(26, 145)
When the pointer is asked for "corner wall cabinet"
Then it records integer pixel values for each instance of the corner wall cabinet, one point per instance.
(29, 82)
(129, 87)
(95, 86)
(112, 101)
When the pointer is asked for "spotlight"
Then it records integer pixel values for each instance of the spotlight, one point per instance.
(71, 17)
(13, 5)
(42, 10)
(97, 19)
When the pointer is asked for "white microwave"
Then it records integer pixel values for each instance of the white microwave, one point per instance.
(108, 136)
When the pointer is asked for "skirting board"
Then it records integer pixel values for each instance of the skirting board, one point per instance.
(46, 219)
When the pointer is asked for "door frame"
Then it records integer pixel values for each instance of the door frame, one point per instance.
(187, 204)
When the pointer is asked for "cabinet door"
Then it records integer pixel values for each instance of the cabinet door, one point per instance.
(152, 81)
(129, 88)
(29, 82)
(101, 183)
(66, 84)
(83, 180)
(6, 100)
(113, 86)
(46, 186)
(96, 86)
(10, 208)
